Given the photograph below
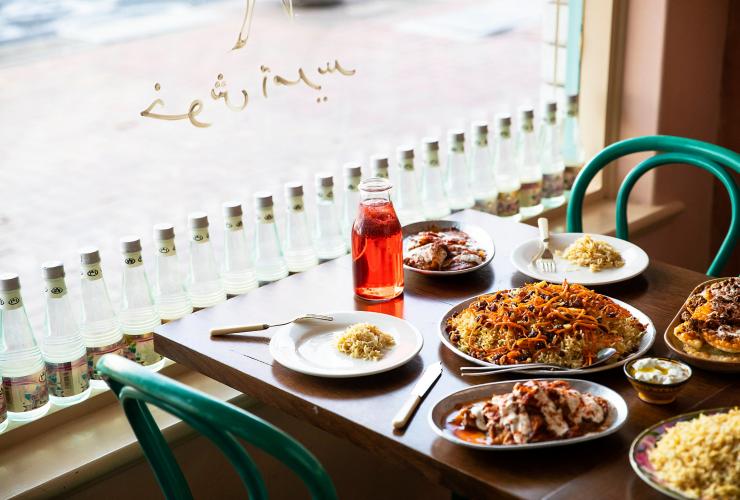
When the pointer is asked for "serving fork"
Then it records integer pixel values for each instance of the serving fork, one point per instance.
(602, 356)
(544, 260)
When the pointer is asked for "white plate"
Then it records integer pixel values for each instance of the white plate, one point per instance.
(646, 342)
(308, 346)
(635, 261)
(480, 237)
(446, 406)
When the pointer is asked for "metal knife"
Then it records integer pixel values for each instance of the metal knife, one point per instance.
(427, 380)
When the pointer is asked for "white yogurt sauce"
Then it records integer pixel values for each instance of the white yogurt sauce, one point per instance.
(658, 371)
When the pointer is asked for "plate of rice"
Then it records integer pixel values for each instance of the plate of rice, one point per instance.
(354, 344)
(587, 259)
(691, 456)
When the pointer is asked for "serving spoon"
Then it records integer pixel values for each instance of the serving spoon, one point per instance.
(602, 356)
(228, 330)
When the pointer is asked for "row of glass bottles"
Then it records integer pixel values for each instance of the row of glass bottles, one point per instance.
(512, 179)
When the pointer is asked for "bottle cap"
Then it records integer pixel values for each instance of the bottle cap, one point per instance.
(480, 129)
(197, 220)
(573, 99)
(352, 170)
(504, 120)
(164, 232)
(293, 189)
(89, 255)
(262, 199)
(379, 163)
(9, 282)
(52, 269)
(232, 208)
(431, 144)
(456, 136)
(130, 244)
(551, 107)
(324, 179)
(526, 113)
(405, 153)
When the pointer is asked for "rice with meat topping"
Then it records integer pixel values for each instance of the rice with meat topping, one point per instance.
(701, 457)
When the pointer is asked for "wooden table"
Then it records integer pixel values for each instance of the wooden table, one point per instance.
(360, 410)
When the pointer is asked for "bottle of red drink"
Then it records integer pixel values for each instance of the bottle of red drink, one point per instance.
(377, 244)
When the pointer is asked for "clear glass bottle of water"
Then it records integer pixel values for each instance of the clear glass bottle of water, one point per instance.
(505, 171)
(572, 145)
(433, 196)
(21, 362)
(379, 166)
(329, 241)
(459, 194)
(300, 253)
(238, 272)
(100, 328)
(551, 159)
(64, 352)
(205, 286)
(527, 161)
(407, 199)
(483, 182)
(139, 316)
(170, 293)
(351, 203)
(269, 262)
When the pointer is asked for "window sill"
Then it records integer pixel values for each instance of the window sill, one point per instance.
(75, 445)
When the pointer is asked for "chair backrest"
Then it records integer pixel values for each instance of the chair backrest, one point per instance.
(714, 159)
(218, 421)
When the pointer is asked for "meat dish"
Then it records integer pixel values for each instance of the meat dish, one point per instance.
(443, 250)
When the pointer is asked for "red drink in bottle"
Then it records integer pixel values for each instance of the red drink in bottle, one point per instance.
(377, 244)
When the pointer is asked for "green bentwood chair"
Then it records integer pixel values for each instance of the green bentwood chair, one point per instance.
(222, 423)
(671, 150)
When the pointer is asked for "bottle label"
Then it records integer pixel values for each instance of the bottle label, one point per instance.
(570, 174)
(140, 348)
(552, 185)
(95, 353)
(507, 203)
(233, 223)
(486, 205)
(265, 215)
(91, 272)
(200, 234)
(68, 379)
(166, 248)
(407, 164)
(3, 407)
(530, 194)
(353, 183)
(26, 393)
(295, 203)
(481, 141)
(381, 173)
(55, 288)
(133, 259)
(457, 147)
(326, 193)
(433, 159)
(10, 300)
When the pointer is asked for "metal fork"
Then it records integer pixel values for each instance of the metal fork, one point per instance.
(544, 261)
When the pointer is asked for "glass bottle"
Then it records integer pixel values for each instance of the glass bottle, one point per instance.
(300, 254)
(551, 159)
(572, 145)
(407, 198)
(269, 262)
(483, 183)
(379, 166)
(433, 196)
(352, 178)
(64, 352)
(170, 293)
(21, 362)
(100, 328)
(3, 411)
(377, 244)
(139, 316)
(505, 171)
(239, 276)
(457, 186)
(329, 241)
(528, 164)
(205, 286)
